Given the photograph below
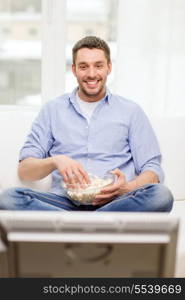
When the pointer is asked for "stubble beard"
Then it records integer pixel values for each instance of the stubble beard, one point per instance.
(93, 94)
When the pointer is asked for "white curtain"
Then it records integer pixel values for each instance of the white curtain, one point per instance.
(53, 48)
(150, 63)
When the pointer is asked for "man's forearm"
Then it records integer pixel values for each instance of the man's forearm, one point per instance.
(31, 168)
(142, 179)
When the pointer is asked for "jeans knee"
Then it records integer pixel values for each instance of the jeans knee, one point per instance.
(11, 192)
(8, 198)
(164, 196)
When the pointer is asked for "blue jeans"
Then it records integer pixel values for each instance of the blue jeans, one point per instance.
(149, 198)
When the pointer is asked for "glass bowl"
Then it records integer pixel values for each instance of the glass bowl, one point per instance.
(86, 194)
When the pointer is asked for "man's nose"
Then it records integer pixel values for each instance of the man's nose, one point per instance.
(91, 72)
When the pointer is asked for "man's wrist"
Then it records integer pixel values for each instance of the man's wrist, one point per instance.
(128, 187)
(131, 185)
(52, 162)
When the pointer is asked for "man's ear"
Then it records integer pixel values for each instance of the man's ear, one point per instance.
(74, 69)
(109, 67)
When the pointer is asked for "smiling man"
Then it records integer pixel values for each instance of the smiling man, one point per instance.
(91, 130)
(91, 68)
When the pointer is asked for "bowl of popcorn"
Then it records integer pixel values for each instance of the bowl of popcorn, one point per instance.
(86, 194)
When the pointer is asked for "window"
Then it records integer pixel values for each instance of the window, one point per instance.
(33, 31)
(87, 17)
(23, 77)
(6, 31)
(20, 52)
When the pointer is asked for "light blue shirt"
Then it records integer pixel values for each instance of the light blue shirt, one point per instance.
(119, 135)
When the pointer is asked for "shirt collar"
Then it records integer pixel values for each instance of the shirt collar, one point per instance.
(107, 98)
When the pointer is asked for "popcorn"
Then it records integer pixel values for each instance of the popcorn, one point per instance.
(87, 194)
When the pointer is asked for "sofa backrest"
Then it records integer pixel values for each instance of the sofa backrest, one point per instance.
(15, 123)
(171, 137)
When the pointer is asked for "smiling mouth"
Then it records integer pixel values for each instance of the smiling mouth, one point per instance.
(92, 83)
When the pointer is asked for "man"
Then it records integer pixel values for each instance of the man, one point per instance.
(91, 130)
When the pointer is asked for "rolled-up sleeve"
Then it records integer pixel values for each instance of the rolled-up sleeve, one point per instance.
(144, 145)
(39, 139)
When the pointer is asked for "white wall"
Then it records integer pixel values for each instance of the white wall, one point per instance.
(151, 54)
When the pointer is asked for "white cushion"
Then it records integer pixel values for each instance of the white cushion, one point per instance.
(15, 124)
(170, 134)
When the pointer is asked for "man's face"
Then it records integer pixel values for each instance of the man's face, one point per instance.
(91, 70)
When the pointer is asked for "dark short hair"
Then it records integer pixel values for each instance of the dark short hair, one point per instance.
(91, 42)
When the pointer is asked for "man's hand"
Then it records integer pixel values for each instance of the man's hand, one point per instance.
(118, 188)
(121, 186)
(71, 170)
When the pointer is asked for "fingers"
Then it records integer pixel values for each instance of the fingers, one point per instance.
(119, 174)
(106, 196)
(71, 177)
(84, 175)
(71, 171)
(115, 186)
(108, 193)
(111, 188)
(100, 200)
(75, 177)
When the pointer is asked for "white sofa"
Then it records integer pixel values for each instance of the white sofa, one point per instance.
(15, 123)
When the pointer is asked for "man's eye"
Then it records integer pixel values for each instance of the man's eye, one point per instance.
(99, 66)
(83, 67)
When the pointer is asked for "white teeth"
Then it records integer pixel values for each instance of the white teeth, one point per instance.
(91, 82)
